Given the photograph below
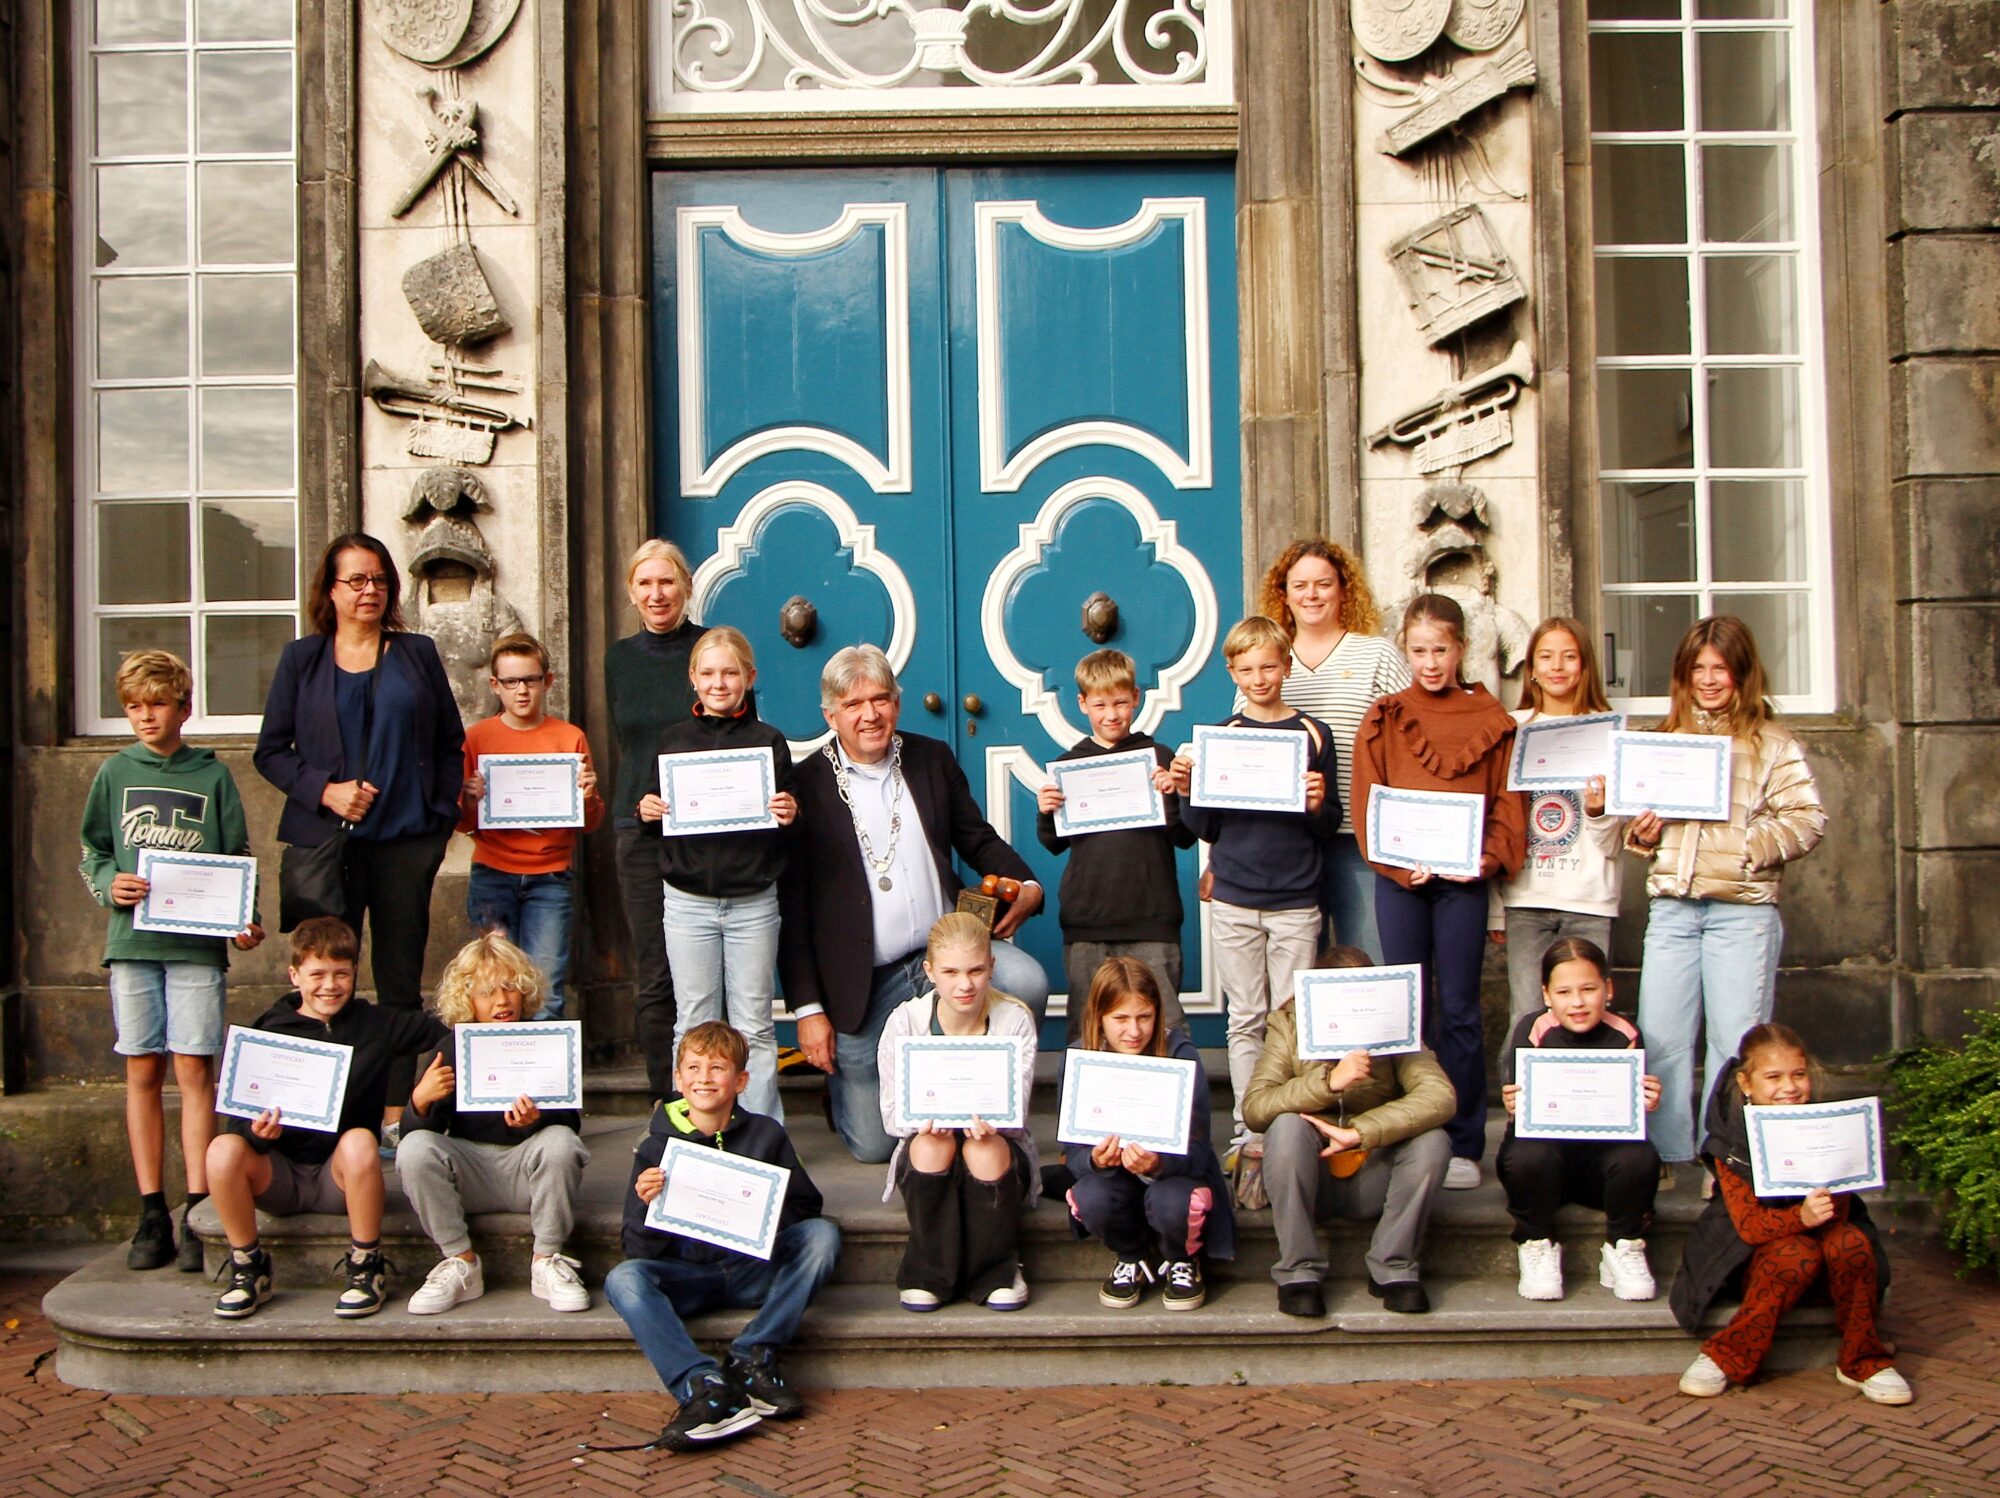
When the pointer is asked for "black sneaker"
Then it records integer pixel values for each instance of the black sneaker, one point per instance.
(153, 1245)
(1125, 1286)
(1184, 1289)
(367, 1285)
(770, 1396)
(249, 1284)
(189, 1260)
(716, 1410)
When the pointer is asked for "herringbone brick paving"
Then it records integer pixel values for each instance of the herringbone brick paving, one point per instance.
(1798, 1434)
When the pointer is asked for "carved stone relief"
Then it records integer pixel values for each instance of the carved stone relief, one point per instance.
(1480, 25)
(1455, 273)
(452, 299)
(1465, 420)
(457, 603)
(1397, 30)
(1454, 561)
(1438, 101)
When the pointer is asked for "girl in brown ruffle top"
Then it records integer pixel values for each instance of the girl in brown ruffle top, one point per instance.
(1438, 734)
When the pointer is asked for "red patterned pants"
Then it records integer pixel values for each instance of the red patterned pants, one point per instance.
(1779, 1274)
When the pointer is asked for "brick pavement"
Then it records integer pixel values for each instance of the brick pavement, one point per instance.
(1798, 1434)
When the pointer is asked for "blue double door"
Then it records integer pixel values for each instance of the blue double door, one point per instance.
(938, 410)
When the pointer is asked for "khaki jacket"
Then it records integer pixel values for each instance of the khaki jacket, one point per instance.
(1775, 816)
(1405, 1096)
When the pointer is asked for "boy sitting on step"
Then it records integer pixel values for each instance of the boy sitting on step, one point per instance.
(260, 1165)
(667, 1277)
(520, 1160)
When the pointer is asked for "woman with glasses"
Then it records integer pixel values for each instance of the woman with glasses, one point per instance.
(361, 730)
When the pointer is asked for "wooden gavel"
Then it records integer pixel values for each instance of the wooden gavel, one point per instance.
(1004, 890)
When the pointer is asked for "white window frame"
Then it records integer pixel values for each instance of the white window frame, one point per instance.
(89, 613)
(1817, 544)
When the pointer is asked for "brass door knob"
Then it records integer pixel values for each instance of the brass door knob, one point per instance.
(973, 705)
(933, 703)
(1100, 617)
(798, 621)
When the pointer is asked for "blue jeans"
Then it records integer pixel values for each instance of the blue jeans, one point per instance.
(1347, 896)
(533, 911)
(723, 955)
(157, 1007)
(654, 1295)
(1705, 961)
(1442, 925)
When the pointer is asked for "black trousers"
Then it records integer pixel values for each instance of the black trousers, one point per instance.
(1619, 1180)
(388, 886)
(964, 1232)
(653, 1010)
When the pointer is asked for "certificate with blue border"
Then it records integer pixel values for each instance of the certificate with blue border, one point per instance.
(306, 1080)
(1249, 769)
(1561, 754)
(951, 1079)
(1812, 1146)
(724, 790)
(195, 894)
(1682, 776)
(1143, 1100)
(1580, 1094)
(1443, 831)
(1374, 1009)
(531, 790)
(495, 1065)
(728, 1200)
(1107, 792)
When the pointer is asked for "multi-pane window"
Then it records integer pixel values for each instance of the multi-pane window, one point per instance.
(1712, 475)
(187, 356)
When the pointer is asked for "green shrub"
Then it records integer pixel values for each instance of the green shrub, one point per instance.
(1947, 1102)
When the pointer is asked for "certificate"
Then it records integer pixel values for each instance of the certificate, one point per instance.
(728, 790)
(195, 894)
(1442, 831)
(1682, 776)
(1107, 792)
(305, 1079)
(1373, 1009)
(1560, 754)
(539, 1059)
(1143, 1100)
(1249, 769)
(728, 1200)
(1580, 1094)
(531, 790)
(953, 1079)
(1798, 1149)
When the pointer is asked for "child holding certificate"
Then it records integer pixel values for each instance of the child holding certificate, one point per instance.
(962, 1188)
(1713, 933)
(1148, 1207)
(1618, 1177)
(1776, 1248)
(1568, 883)
(524, 1159)
(1439, 734)
(167, 987)
(1121, 890)
(721, 910)
(519, 885)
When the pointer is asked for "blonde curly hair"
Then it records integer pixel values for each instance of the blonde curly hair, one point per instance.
(1358, 613)
(487, 961)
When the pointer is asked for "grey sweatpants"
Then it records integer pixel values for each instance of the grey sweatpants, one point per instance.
(1397, 1185)
(446, 1178)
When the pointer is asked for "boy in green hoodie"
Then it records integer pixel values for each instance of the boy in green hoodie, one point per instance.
(167, 990)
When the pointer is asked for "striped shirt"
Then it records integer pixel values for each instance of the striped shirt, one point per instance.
(1355, 672)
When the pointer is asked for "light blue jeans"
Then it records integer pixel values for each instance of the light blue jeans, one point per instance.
(724, 958)
(1707, 963)
(1347, 895)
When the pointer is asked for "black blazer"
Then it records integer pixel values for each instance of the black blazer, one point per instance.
(826, 930)
(298, 749)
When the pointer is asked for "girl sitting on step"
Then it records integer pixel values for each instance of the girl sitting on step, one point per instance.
(962, 1187)
(1148, 1207)
(524, 1159)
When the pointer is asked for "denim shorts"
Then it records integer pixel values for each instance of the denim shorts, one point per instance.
(167, 1006)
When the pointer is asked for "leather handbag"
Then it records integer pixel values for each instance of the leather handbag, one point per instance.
(312, 881)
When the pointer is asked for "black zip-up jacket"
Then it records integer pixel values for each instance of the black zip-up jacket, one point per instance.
(751, 1135)
(725, 865)
(377, 1036)
(1123, 885)
(482, 1127)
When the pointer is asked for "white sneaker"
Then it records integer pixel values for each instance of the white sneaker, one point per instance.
(555, 1279)
(1462, 1174)
(1886, 1387)
(1011, 1297)
(1622, 1269)
(918, 1300)
(1541, 1269)
(1704, 1378)
(449, 1282)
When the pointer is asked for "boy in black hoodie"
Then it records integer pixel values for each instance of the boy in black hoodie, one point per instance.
(667, 1277)
(259, 1164)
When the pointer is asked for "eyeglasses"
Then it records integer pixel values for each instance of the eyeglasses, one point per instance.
(363, 582)
(515, 683)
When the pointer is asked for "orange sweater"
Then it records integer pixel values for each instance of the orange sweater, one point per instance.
(520, 850)
(1458, 741)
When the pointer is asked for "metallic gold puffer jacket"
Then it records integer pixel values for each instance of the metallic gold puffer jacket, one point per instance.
(1775, 816)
